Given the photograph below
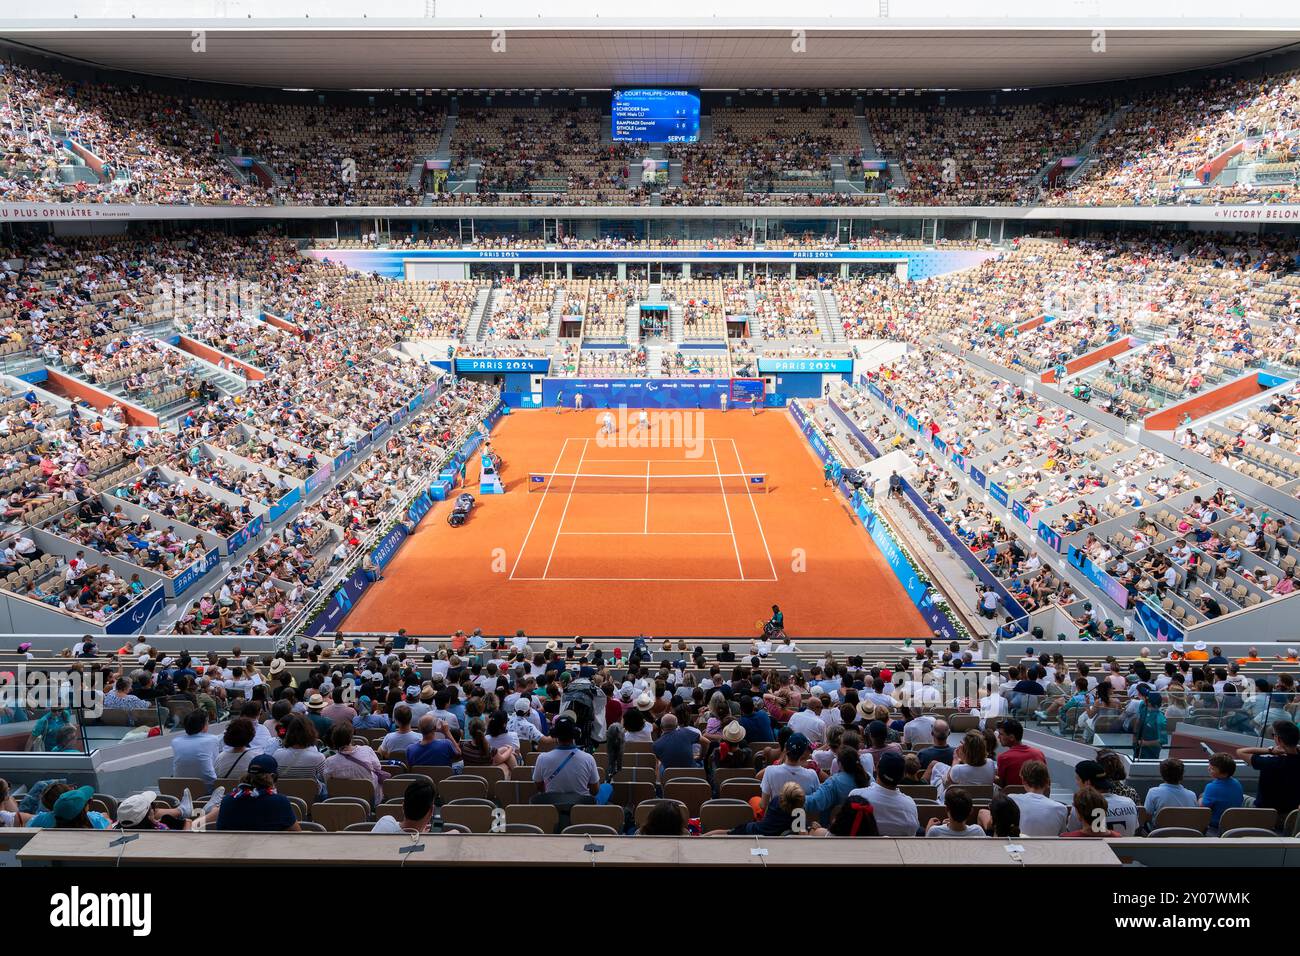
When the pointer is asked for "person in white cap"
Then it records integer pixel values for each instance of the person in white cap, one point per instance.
(137, 812)
(523, 722)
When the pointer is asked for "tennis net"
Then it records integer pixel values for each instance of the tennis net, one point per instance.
(567, 483)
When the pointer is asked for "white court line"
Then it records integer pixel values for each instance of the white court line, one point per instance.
(735, 448)
(726, 507)
(647, 497)
(545, 492)
(560, 526)
(552, 580)
(650, 534)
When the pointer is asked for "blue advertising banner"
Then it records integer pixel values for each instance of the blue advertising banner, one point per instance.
(800, 417)
(488, 365)
(805, 365)
(939, 443)
(998, 493)
(284, 504)
(962, 551)
(913, 424)
(978, 477)
(494, 416)
(1020, 511)
(819, 446)
(959, 460)
(1050, 536)
(341, 461)
(135, 617)
(388, 546)
(340, 604)
(419, 508)
(636, 392)
(900, 411)
(187, 578)
(466, 451)
(244, 535)
(877, 393)
(1098, 576)
(810, 432)
(1157, 626)
(917, 590)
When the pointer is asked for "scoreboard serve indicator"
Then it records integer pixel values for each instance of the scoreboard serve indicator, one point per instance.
(655, 116)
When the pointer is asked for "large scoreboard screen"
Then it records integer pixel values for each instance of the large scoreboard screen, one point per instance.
(655, 116)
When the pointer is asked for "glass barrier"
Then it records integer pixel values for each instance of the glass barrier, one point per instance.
(1132, 726)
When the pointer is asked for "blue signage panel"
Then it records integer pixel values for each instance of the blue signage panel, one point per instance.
(1050, 535)
(340, 604)
(244, 535)
(135, 617)
(1157, 626)
(1098, 576)
(489, 364)
(419, 508)
(805, 365)
(978, 477)
(191, 575)
(1020, 511)
(291, 498)
(998, 493)
(388, 546)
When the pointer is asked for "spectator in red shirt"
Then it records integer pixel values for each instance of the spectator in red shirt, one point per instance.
(1016, 755)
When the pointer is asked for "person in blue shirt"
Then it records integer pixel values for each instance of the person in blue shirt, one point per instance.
(65, 807)
(834, 790)
(367, 719)
(1224, 791)
(433, 751)
(757, 723)
(1170, 792)
(48, 727)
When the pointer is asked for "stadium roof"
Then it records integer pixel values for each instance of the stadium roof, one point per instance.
(709, 53)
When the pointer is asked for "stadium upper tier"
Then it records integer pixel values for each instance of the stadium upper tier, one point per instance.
(1222, 139)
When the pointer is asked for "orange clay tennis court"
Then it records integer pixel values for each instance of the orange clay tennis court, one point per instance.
(625, 536)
